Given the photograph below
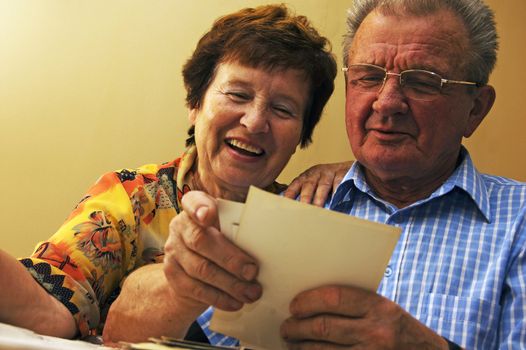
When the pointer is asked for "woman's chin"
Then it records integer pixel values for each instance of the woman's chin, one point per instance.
(243, 180)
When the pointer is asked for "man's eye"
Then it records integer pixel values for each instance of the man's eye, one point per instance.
(421, 82)
(422, 86)
(371, 78)
(366, 80)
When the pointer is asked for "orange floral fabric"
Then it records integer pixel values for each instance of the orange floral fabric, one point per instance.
(119, 225)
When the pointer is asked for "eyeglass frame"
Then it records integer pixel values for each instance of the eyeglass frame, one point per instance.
(387, 73)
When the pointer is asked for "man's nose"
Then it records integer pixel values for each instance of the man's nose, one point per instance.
(390, 99)
(256, 119)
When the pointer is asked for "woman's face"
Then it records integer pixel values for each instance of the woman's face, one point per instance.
(249, 124)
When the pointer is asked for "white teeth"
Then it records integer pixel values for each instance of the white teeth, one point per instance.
(246, 147)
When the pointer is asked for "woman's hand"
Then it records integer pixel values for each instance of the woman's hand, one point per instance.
(316, 184)
(202, 266)
(147, 299)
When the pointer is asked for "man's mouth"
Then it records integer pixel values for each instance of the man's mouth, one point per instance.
(389, 136)
(390, 132)
(244, 148)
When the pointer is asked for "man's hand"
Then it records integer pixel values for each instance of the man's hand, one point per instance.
(336, 317)
(317, 183)
(202, 266)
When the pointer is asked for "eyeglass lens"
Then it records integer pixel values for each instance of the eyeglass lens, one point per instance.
(415, 84)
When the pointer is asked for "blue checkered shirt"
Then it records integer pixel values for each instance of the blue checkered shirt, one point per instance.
(460, 264)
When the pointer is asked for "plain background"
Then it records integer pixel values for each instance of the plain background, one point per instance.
(90, 86)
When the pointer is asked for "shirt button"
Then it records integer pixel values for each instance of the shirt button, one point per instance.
(388, 271)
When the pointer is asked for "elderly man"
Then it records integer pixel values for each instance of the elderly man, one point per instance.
(416, 84)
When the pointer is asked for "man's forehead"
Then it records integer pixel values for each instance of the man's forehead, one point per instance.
(390, 38)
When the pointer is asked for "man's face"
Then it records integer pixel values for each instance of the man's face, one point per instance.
(400, 138)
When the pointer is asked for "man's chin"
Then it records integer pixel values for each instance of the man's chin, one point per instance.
(389, 166)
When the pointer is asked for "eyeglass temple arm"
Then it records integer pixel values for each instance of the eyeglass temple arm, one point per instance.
(449, 81)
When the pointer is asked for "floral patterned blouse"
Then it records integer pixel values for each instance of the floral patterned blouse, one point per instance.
(120, 225)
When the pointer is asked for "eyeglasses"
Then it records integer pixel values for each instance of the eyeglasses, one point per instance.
(416, 84)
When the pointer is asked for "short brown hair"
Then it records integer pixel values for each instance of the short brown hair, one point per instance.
(267, 37)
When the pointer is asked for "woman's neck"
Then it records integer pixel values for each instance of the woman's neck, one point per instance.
(217, 188)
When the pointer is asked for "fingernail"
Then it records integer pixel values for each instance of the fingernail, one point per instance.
(201, 213)
(233, 305)
(253, 292)
(249, 272)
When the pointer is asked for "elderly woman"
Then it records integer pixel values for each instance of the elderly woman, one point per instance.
(256, 85)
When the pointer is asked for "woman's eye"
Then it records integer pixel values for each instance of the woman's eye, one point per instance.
(238, 96)
(283, 111)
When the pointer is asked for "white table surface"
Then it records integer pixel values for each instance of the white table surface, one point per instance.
(16, 338)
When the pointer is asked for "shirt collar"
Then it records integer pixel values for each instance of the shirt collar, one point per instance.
(186, 163)
(465, 177)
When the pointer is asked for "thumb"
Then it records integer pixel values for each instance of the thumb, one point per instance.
(201, 207)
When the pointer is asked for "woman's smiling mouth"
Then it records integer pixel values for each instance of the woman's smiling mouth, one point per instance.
(244, 148)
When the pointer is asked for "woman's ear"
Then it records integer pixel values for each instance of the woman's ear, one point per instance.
(482, 104)
(192, 115)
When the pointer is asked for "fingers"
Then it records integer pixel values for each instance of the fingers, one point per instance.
(294, 189)
(305, 186)
(333, 317)
(211, 244)
(323, 192)
(340, 173)
(328, 317)
(308, 345)
(331, 331)
(316, 184)
(191, 288)
(203, 265)
(346, 301)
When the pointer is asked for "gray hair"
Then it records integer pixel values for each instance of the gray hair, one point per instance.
(477, 17)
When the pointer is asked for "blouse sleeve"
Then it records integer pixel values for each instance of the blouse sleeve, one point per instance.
(86, 259)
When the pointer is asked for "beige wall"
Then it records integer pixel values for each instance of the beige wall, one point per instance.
(499, 145)
(91, 86)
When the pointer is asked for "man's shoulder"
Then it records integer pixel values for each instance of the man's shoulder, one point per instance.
(505, 192)
(501, 182)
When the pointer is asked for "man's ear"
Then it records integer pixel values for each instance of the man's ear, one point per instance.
(192, 115)
(482, 103)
